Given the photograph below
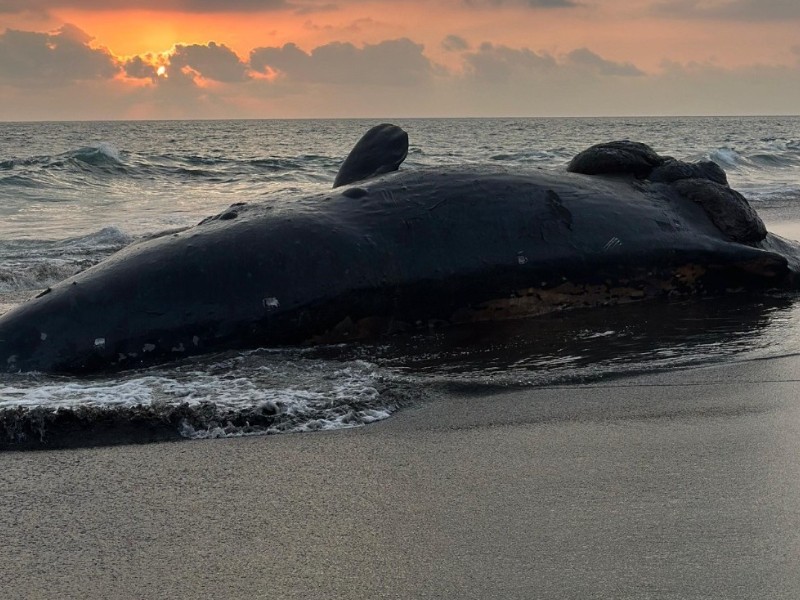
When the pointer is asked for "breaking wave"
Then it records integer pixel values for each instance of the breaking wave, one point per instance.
(104, 160)
(783, 155)
(103, 154)
(255, 393)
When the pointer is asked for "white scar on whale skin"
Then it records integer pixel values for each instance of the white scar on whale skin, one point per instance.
(612, 243)
(270, 303)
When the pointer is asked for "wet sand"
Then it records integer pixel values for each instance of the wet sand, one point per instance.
(678, 485)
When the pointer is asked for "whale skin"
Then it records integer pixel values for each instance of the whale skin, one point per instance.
(403, 250)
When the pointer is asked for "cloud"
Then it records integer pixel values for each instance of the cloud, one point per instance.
(498, 63)
(744, 10)
(309, 9)
(455, 43)
(211, 61)
(138, 68)
(391, 63)
(355, 26)
(583, 57)
(47, 59)
(522, 3)
(190, 6)
(301, 7)
(698, 88)
(203, 6)
(60, 75)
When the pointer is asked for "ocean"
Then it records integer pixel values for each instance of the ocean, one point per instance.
(71, 194)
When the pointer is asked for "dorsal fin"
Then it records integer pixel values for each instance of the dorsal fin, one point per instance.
(380, 150)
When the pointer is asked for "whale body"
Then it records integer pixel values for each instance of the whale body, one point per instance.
(402, 250)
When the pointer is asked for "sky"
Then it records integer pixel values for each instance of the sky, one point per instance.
(210, 59)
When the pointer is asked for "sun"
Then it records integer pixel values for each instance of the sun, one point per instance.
(161, 71)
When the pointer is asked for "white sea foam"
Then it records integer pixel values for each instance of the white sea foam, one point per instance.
(224, 397)
(97, 154)
(727, 158)
(107, 238)
(33, 265)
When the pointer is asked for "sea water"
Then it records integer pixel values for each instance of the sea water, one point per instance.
(72, 194)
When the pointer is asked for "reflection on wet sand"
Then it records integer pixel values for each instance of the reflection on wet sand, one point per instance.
(591, 344)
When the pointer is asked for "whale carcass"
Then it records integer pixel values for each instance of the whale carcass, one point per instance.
(404, 249)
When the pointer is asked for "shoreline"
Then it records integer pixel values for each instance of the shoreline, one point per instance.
(669, 485)
(570, 349)
(44, 429)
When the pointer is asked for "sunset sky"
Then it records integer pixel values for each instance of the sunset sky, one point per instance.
(137, 59)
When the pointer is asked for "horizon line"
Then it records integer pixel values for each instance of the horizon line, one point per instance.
(417, 118)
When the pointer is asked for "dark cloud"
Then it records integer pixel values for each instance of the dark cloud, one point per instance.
(309, 9)
(27, 57)
(745, 10)
(137, 68)
(455, 43)
(212, 61)
(15, 6)
(192, 6)
(523, 3)
(583, 57)
(227, 5)
(500, 63)
(356, 26)
(301, 7)
(59, 75)
(392, 62)
(187, 62)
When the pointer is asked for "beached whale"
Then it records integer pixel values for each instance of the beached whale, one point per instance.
(398, 250)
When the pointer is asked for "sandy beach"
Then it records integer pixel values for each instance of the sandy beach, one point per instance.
(676, 485)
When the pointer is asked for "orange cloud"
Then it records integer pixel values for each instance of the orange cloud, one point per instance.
(620, 30)
(51, 59)
(453, 56)
(185, 6)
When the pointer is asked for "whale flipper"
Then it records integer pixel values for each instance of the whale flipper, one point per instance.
(380, 150)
